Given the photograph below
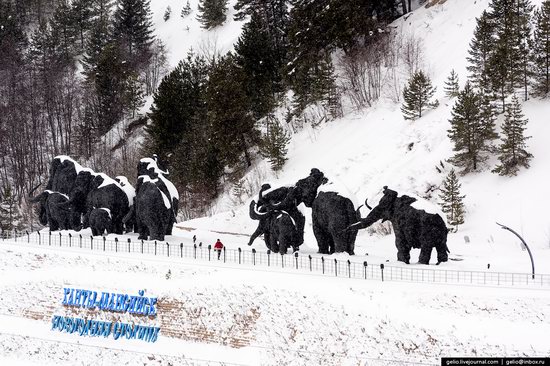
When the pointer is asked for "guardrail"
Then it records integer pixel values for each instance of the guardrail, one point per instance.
(324, 265)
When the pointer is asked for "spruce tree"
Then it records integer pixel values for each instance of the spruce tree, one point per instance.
(133, 30)
(512, 153)
(471, 130)
(481, 48)
(186, 11)
(451, 85)
(254, 54)
(233, 126)
(274, 144)
(417, 95)
(451, 200)
(212, 13)
(541, 50)
(81, 13)
(167, 13)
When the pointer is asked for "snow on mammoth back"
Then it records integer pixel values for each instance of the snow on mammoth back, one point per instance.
(340, 189)
(127, 188)
(152, 164)
(78, 168)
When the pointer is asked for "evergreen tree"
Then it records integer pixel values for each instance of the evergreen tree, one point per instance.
(110, 82)
(81, 13)
(178, 106)
(417, 95)
(481, 48)
(186, 11)
(167, 13)
(471, 130)
(212, 13)
(451, 85)
(98, 39)
(10, 216)
(451, 200)
(254, 54)
(133, 30)
(512, 153)
(274, 144)
(541, 50)
(522, 43)
(233, 126)
(64, 34)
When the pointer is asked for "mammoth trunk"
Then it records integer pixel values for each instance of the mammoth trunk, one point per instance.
(32, 198)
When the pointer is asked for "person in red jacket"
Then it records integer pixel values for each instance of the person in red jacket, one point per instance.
(218, 247)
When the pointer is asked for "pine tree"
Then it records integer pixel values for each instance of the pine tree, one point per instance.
(522, 43)
(212, 13)
(233, 126)
(98, 39)
(481, 48)
(471, 130)
(167, 13)
(541, 50)
(254, 54)
(10, 216)
(186, 11)
(512, 153)
(451, 85)
(274, 144)
(451, 200)
(417, 95)
(133, 29)
(81, 13)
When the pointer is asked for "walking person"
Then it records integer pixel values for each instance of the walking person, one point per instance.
(218, 247)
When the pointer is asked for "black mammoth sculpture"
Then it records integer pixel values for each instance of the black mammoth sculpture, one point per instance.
(52, 212)
(281, 230)
(63, 172)
(100, 221)
(151, 167)
(152, 210)
(413, 228)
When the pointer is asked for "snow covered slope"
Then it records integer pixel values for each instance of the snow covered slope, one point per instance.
(368, 149)
(213, 313)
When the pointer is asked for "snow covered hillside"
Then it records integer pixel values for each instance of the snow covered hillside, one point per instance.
(211, 313)
(371, 148)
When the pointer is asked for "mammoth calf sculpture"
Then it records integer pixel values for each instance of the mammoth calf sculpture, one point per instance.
(279, 228)
(100, 221)
(414, 228)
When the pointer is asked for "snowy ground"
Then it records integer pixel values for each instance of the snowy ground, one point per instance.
(215, 312)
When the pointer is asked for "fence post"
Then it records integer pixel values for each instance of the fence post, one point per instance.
(91, 242)
(80, 240)
(282, 260)
(296, 259)
(70, 240)
(253, 256)
(349, 268)
(310, 267)
(50, 238)
(365, 269)
(209, 249)
(382, 271)
(141, 246)
(323, 264)
(104, 240)
(181, 250)
(28, 237)
(155, 247)
(268, 256)
(336, 267)
(195, 251)
(224, 254)
(167, 249)
(129, 242)
(240, 250)
(39, 238)
(59, 239)
(116, 245)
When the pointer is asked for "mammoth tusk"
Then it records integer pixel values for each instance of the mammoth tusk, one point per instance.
(366, 204)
